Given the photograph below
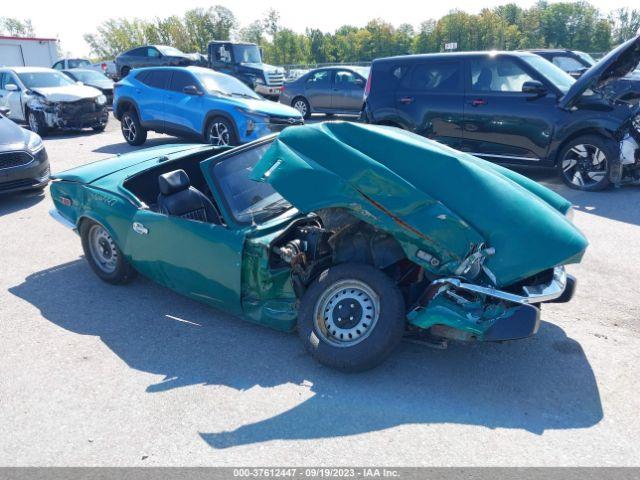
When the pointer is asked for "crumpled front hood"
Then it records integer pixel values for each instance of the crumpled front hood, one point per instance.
(430, 197)
(618, 63)
(69, 93)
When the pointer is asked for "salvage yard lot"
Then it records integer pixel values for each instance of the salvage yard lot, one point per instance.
(92, 374)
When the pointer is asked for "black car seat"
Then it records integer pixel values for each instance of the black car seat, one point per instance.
(178, 198)
(484, 80)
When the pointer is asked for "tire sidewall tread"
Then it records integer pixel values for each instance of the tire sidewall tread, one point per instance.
(382, 340)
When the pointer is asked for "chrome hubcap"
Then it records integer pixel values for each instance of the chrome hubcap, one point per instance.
(103, 250)
(33, 122)
(584, 165)
(301, 106)
(219, 134)
(128, 128)
(346, 313)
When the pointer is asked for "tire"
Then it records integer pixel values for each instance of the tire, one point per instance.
(220, 132)
(37, 123)
(577, 165)
(302, 105)
(99, 128)
(377, 323)
(134, 133)
(124, 72)
(103, 255)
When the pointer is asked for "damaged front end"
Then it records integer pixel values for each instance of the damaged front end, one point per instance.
(626, 171)
(474, 248)
(71, 115)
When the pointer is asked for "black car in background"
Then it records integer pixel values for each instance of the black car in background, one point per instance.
(156, 56)
(330, 90)
(515, 108)
(24, 164)
(575, 63)
(93, 79)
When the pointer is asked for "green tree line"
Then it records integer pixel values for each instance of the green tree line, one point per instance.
(576, 25)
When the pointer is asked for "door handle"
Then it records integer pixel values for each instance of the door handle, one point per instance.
(406, 100)
(477, 102)
(140, 228)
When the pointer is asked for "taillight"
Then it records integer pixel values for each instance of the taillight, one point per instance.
(367, 87)
(104, 67)
(66, 201)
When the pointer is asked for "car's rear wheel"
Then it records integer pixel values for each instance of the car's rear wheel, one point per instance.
(37, 123)
(351, 317)
(134, 133)
(584, 162)
(220, 132)
(103, 255)
(302, 105)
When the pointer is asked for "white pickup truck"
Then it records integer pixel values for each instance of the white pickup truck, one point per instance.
(108, 68)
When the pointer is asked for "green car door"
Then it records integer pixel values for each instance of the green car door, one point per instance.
(197, 259)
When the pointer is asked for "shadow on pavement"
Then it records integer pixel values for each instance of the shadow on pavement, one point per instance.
(537, 384)
(13, 202)
(619, 204)
(124, 147)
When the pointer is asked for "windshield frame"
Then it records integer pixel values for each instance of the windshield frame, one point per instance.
(220, 195)
(241, 90)
(78, 73)
(547, 70)
(237, 52)
(53, 73)
(168, 50)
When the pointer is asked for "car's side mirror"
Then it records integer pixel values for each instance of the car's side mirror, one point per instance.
(360, 82)
(11, 87)
(534, 87)
(4, 111)
(192, 90)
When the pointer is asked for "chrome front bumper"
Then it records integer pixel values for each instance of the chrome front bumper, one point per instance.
(532, 293)
(57, 216)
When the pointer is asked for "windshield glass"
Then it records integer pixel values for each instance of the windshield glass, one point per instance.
(247, 54)
(79, 63)
(586, 57)
(169, 50)
(225, 85)
(249, 201)
(553, 74)
(45, 79)
(363, 71)
(89, 77)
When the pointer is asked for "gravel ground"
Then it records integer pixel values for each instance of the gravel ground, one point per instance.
(92, 374)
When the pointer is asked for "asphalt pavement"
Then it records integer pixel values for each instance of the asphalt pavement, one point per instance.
(93, 374)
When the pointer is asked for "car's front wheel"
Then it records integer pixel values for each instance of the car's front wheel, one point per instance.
(302, 105)
(37, 123)
(585, 162)
(220, 132)
(351, 317)
(103, 255)
(132, 131)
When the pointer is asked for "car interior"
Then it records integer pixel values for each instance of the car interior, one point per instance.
(177, 188)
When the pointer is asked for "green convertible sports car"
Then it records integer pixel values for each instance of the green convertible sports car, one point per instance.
(355, 235)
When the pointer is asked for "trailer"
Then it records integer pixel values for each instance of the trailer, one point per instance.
(28, 52)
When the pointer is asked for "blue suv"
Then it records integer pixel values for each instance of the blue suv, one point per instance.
(198, 103)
